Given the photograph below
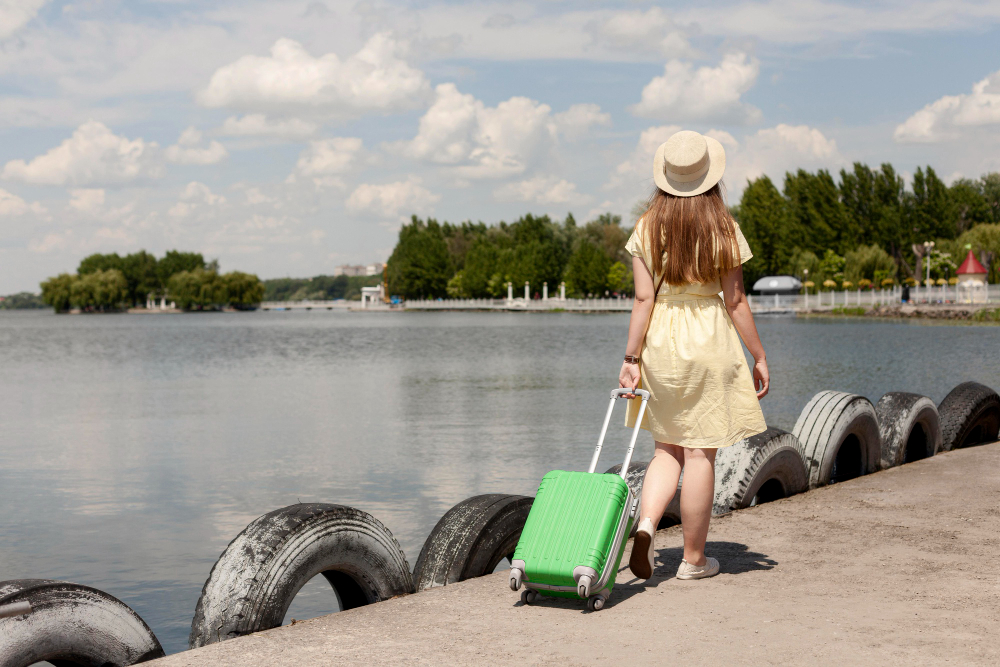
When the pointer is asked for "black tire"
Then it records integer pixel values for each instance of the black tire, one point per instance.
(839, 433)
(909, 428)
(471, 539)
(970, 415)
(258, 575)
(765, 467)
(634, 478)
(72, 624)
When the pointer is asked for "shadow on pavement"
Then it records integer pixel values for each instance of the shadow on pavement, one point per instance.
(733, 557)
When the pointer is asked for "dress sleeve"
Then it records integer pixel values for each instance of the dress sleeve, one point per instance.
(742, 244)
(634, 244)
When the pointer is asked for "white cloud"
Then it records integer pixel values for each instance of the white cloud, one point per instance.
(14, 14)
(86, 200)
(195, 191)
(576, 121)
(375, 79)
(255, 196)
(943, 118)
(187, 150)
(773, 151)
(195, 197)
(540, 190)
(489, 142)
(11, 204)
(705, 94)
(259, 125)
(650, 31)
(392, 200)
(329, 156)
(93, 155)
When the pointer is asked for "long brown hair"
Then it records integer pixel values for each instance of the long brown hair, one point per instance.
(694, 236)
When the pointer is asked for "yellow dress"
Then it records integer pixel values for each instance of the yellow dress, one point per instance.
(692, 364)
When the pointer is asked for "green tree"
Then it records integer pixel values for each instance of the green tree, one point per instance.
(175, 261)
(587, 271)
(420, 266)
(21, 301)
(454, 288)
(857, 191)
(890, 232)
(871, 262)
(814, 209)
(140, 271)
(243, 291)
(803, 261)
(763, 218)
(968, 204)
(199, 289)
(831, 267)
(99, 291)
(99, 262)
(991, 193)
(931, 216)
(58, 292)
(620, 279)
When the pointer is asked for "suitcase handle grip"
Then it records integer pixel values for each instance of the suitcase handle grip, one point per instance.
(621, 391)
(618, 393)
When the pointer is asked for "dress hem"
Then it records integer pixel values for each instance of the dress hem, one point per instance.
(700, 443)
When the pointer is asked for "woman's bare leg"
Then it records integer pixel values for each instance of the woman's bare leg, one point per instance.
(697, 496)
(660, 483)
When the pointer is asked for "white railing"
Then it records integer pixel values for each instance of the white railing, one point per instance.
(612, 304)
(938, 294)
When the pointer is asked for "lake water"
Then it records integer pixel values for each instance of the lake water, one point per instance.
(135, 447)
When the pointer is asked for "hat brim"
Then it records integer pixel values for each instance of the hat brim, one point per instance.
(716, 167)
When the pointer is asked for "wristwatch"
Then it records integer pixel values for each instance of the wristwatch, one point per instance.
(629, 359)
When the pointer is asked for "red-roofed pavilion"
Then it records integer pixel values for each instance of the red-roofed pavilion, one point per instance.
(971, 267)
(972, 281)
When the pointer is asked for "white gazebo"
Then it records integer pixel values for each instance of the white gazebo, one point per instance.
(971, 281)
(375, 295)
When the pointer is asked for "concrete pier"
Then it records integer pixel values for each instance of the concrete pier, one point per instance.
(898, 567)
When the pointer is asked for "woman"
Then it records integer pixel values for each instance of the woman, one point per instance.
(683, 345)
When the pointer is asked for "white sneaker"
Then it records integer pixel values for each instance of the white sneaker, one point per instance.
(641, 561)
(689, 571)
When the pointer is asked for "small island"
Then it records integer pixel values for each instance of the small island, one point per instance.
(140, 281)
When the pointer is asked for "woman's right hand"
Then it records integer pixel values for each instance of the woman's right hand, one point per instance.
(629, 377)
(761, 378)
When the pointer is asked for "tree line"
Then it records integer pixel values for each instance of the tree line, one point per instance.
(109, 282)
(865, 230)
(868, 227)
(473, 260)
(318, 287)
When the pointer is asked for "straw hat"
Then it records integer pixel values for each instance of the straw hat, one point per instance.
(688, 164)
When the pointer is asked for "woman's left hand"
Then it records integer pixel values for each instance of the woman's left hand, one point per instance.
(629, 377)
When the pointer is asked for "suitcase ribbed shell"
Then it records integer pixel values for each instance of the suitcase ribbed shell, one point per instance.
(572, 523)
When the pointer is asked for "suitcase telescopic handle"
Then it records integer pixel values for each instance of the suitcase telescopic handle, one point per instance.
(618, 393)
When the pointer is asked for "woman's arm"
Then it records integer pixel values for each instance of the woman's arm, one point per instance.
(643, 304)
(739, 310)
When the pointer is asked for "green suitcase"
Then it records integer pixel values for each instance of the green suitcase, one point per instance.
(573, 539)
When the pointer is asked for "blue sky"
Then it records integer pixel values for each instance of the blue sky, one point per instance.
(286, 138)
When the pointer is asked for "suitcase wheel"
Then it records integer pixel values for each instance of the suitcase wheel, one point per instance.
(583, 586)
(528, 596)
(515, 579)
(595, 602)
